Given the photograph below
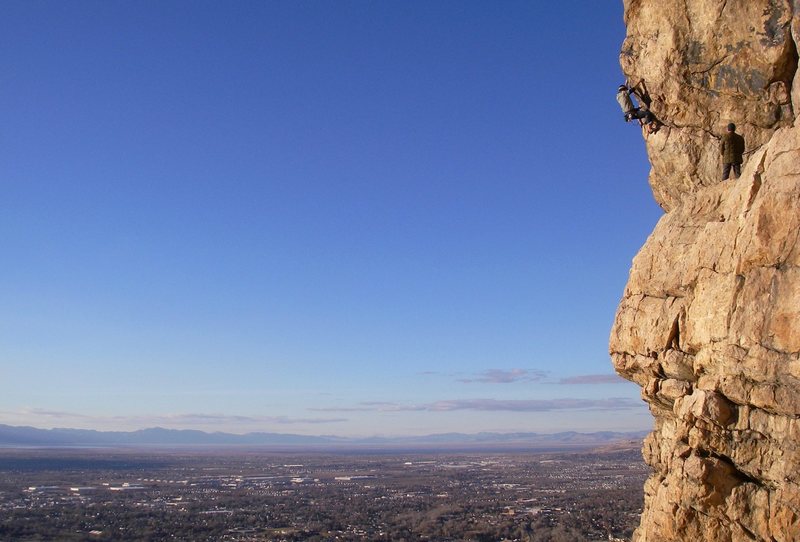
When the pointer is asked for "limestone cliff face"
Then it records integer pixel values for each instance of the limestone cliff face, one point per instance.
(709, 324)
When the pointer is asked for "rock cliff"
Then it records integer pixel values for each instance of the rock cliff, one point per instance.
(709, 323)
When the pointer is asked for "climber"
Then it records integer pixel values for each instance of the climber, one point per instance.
(631, 111)
(732, 149)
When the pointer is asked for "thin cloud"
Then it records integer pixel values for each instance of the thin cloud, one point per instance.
(499, 376)
(533, 405)
(369, 406)
(185, 419)
(593, 379)
(494, 405)
(49, 414)
(197, 419)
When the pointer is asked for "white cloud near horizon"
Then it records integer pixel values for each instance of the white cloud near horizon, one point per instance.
(499, 376)
(510, 405)
(514, 375)
(493, 376)
(609, 378)
(48, 417)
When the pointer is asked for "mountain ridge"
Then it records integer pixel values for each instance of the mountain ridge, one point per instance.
(11, 436)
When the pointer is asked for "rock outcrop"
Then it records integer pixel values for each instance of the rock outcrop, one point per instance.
(709, 324)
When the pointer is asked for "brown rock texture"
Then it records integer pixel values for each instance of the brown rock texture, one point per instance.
(706, 63)
(709, 324)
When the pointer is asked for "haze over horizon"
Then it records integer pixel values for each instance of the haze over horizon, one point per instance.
(349, 218)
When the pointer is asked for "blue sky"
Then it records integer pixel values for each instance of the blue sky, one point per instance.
(350, 218)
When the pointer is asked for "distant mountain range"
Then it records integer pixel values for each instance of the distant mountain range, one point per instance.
(15, 436)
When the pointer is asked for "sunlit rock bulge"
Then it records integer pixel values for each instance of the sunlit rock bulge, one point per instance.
(709, 323)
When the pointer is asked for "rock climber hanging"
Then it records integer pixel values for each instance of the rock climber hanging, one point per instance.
(641, 113)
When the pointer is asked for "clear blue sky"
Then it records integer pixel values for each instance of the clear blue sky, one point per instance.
(350, 218)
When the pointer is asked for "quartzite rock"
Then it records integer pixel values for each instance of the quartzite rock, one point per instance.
(706, 63)
(709, 324)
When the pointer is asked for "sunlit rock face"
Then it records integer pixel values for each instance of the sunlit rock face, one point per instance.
(707, 63)
(709, 324)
